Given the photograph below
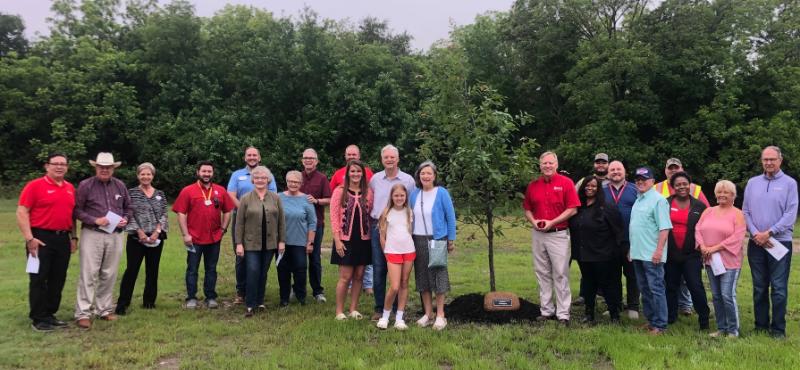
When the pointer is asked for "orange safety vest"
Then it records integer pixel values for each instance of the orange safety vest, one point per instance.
(694, 189)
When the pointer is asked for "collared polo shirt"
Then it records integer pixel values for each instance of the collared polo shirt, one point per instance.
(316, 184)
(338, 177)
(49, 205)
(649, 215)
(547, 199)
(381, 187)
(203, 221)
(241, 184)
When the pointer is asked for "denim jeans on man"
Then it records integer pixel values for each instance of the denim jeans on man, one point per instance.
(293, 264)
(241, 273)
(650, 277)
(723, 294)
(257, 264)
(315, 263)
(685, 297)
(770, 283)
(210, 255)
(379, 269)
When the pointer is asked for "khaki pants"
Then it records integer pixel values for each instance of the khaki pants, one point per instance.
(551, 254)
(99, 260)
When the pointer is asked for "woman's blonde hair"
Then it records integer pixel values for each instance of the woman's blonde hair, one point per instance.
(382, 222)
(725, 185)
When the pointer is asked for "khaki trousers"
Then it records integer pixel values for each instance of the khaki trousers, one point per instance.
(99, 261)
(551, 253)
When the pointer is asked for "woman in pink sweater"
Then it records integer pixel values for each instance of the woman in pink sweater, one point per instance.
(351, 203)
(721, 230)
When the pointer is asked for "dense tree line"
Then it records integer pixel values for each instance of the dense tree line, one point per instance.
(709, 82)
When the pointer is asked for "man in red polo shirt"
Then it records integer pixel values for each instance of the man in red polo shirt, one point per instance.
(44, 216)
(199, 207)
(549, 202)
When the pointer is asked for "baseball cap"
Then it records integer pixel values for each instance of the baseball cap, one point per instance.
(674, 162)
(601, 157)
(643, 173)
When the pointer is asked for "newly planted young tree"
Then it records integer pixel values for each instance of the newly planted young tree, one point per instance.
(476, 143)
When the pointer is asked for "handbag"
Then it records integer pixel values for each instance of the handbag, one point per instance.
(437, 249)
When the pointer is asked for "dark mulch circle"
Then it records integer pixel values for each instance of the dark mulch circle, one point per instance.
(468, 308)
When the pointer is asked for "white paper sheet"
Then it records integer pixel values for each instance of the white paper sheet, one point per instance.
(278, 261)
(33, 265)
(778, 250)
(716, 264)
(113, 221)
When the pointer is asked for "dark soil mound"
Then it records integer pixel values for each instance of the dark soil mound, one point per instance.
(469, 308)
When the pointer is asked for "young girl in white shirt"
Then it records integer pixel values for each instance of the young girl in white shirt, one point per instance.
(398, 247)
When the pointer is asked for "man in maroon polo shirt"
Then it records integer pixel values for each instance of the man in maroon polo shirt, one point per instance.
(318, 190)
(44, 216)
(549, 202)
(199, 207)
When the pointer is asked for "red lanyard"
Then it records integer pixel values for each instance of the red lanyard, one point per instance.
(617, 196)
(207, 199)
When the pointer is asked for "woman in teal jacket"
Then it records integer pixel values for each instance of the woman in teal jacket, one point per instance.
(434, 218)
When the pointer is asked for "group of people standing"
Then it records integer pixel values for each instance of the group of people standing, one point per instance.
(661, 237)
(385, 221)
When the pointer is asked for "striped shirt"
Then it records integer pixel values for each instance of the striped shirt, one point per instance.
(148, 212)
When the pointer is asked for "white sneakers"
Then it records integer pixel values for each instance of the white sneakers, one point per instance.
(423, 321)
(356, 315)
(382, 323)
(341, 317)
(398, 324)
(440, 323)
(633, 314)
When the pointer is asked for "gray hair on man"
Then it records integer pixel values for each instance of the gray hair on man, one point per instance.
(549, 152)
(261, 170)
(776, 149)
(390, 147)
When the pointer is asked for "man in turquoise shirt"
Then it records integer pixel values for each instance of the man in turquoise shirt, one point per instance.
(649, 228)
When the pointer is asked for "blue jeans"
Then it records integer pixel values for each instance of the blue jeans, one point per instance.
(379, 268)
(650, 277)
(210, 255)
(256, 265)
(769, 273)
(294, 263)
(684, 297)
(241, 273)
(315, 263)
(723, 294)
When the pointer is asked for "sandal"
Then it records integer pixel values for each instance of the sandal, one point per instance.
(356, 315)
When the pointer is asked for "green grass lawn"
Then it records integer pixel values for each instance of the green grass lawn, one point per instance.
(308, 337)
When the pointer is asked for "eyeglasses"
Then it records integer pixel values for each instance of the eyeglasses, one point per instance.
(59, 164)
(309, 158)
(293, 182)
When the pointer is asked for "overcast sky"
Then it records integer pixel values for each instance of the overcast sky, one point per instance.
(425, 20)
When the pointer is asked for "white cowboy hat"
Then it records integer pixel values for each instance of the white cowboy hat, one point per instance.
(105, 159)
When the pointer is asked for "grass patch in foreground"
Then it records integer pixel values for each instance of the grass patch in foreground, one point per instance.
(307, 337)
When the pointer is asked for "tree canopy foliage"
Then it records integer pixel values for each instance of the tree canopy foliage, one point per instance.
(710, 82)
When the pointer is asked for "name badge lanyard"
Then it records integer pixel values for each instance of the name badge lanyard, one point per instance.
(207, 199)
(617, 196)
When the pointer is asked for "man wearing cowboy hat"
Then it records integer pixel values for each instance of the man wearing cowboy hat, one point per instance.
(99, 198)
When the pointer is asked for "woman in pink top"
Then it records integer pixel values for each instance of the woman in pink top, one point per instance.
(350, 222)
(721, 230)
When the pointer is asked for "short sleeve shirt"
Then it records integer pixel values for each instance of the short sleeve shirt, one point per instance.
(547, 199)
(650, 214)
(49, 205)
(241, 184)
(203, 219)
(316, 185)
(381, 187)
